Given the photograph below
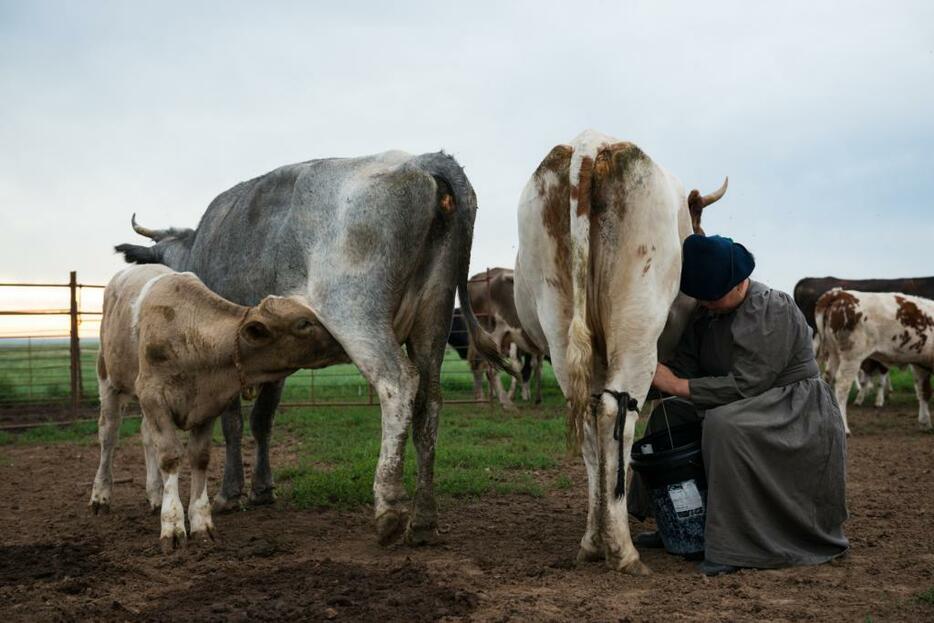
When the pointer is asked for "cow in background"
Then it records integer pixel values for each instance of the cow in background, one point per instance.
(808, 290)
(491, 293)
(378, 245)
(893, 328)
(597, 272)
(525, 362)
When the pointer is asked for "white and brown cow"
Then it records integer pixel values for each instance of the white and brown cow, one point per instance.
(598, 268)
(892, 328)
(185, 353)
(493, 300)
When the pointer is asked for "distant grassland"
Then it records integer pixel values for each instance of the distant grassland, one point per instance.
(41, 373)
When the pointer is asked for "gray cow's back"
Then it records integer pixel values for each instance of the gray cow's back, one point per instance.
(262, 236)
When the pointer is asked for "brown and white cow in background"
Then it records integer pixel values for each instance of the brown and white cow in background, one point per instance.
(598, 268)
(185, 353)
(494, 303)
(895, 329)
(808, 290)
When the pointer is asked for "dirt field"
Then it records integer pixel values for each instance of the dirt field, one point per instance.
(501, 558)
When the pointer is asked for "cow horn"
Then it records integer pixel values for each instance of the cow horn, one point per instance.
(154, 234)
(706, 200)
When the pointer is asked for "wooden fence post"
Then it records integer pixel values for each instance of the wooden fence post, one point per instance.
(75, 347)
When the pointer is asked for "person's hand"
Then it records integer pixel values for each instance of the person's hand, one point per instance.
(668, 382)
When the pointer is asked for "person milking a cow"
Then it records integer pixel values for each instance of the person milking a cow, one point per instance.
(773, 441)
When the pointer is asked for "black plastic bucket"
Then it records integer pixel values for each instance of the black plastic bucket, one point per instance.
(672, 466)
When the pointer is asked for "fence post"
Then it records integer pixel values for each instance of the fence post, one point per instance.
(75, 347)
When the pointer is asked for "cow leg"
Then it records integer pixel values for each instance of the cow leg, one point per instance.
(153, 477)
(426, 348)
(199, 505)
(169, 451)
(635, 377)
(375, 350)
(923, 392)
(514, 360)
(591, 547)
(497, 383)
(477, 381)
(261, 488)
(885, 383)
(863, 387)
(844, 376)
(528, 366)
(113, 406)
(228, 498)
(538, 362)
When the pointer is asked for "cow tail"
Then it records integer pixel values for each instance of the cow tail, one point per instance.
(580, 339)
(458, 202)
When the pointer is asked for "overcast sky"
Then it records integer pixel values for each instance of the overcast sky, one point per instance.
(822, 116)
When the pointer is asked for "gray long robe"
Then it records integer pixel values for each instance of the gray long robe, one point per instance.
(773, 442)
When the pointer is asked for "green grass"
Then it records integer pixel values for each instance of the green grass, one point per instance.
(925, 597)
(480, 451)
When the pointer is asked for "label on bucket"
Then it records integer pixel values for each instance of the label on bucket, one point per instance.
(647, 449)
(686, 499)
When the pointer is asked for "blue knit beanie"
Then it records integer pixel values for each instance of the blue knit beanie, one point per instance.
(713, 265)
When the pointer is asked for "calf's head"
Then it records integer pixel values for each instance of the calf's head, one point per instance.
(283, 334)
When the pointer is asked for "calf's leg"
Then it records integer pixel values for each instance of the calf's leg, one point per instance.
(199, 505)
(153, 476)
(169, 452)
(113, 405)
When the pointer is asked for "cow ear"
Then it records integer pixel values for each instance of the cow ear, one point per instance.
(256, 332)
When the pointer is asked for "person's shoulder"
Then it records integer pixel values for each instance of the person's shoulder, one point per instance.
(763, 299)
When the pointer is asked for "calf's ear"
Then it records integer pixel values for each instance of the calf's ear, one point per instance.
(255, 332)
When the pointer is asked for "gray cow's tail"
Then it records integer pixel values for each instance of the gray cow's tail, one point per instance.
(172, 247)
(452, 182)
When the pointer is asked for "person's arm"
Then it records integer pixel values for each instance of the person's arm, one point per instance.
(668, 382)
(763, 339)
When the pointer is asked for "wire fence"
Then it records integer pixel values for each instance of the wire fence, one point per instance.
(48, 359)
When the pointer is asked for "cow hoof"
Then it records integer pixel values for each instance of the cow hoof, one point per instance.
(223, 505)
(389, 526)
(421, 535)
(263, 498)
(100, 507)
(589, 555)
(636, 567)
(169, 544)
(205, 537)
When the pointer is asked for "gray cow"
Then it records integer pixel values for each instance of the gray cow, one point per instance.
(378, 245)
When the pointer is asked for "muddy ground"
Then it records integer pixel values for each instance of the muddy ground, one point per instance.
(500, 559)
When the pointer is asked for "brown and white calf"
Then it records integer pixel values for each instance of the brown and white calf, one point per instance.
(892, 328)
(597, 272)
(185, 353)
(494, 303)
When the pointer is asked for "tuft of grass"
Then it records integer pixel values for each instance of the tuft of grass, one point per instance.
(925, 597)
